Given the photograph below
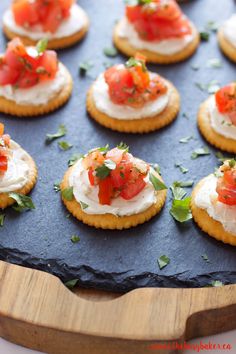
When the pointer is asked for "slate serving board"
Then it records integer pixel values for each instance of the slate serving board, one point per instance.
(120, 260)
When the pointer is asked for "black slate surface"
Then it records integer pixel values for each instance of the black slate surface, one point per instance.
(120, 260)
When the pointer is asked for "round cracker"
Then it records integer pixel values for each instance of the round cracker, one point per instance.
(212, 227)
(204, 124)
(126, 48)
(11, 107)
(57, 43)
(227, 48)
(5, 200)
(110, 221)
(142, 125)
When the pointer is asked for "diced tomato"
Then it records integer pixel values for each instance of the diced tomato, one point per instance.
(105, 191)
(121, 174)
(1, 129)
(91, 176)
(49, 64)
(65, 6)
(27, 79)
(226, 187)
(230, 178)
(133, 189)
(53, 19)
(8, 76)
(226, 101)
(25, 12)
(158, 20)
(3, 163)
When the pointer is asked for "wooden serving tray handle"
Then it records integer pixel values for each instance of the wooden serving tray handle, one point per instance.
(39, 312)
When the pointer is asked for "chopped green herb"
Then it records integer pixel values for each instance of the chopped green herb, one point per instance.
(67, 193)
(204, 36)
(2, 218)
(83, 205)
(186, 139)
(64, 145)
(214, 63)
(216, 283)
(57, 187)
(41, 46)
(163, 261)
(123, 146)
(212, 87)
(74, 158)
(135, 62)
(61, 132)
(200, 152)
(156, 167)
(205, 257)
(84, 67)
(221, 157)
(178, 192)
(212, 26)
(110, 52)
(232, 163)
(156, 182)
(181, 167)
(102, 171)
(195, 67)
(180, 209)
(75, 239)
(71, 283)
(23, 202)
(104, 149)
(183, 184)
(185, 115)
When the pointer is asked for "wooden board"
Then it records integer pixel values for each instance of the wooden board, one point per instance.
(39, 312)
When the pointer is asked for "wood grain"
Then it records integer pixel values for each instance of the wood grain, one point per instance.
(39, 312)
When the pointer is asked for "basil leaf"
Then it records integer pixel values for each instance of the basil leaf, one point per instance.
(200, 152)
(71, 283)
(64, 145)
(23, 202)
(75, 239)
(83, 205)
(2, 218)
(61, 132)
(163, 261)
(57, 187)
(67, 194)
(156, 182)
(41, 46)
(180, 209)
(110, 52)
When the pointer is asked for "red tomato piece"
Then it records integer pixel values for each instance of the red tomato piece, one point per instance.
(8, 76)
(25, 12)
(91, 177)
(3, 163)
(48, 64)
(226, 188)
(27, 79)
(53, 19)
(105, 191)
(133, 189)
(121, 174)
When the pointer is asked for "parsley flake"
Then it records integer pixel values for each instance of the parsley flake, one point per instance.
(83, 205)
(186, 139)
(180, 209)
(200, 152)
(64, 145)
(110, 52)
(75, 238)
(156, 182)
(2, 218)
(71, 283)
(123, 146)
(61, 132)
(67, 194)
(204, 35)
(41, 46)
(205, 257)
(84, 67)
(216, 283)
(23, 202)
(183, 184)
(74, 158)
(57, 187)
(181, 168)
(163, 261)
(214, 63)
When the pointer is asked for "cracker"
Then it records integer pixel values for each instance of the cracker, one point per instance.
(57, 43)
(227, 48)
(126, 48)
(110, 221)
(142, 125)
(6, 201)
(10, 107)
(204, 124)
(212, 227)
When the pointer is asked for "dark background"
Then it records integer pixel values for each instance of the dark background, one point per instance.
(120, 260)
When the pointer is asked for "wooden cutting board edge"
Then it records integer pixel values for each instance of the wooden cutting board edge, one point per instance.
(37, 311)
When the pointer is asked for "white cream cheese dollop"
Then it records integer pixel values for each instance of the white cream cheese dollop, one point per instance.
(229, 30)
(104, 104)
(38, 94)
(84, 192)
(206, 199)
(17, 174)
(74, 23)
(221, 123)
(166, 47)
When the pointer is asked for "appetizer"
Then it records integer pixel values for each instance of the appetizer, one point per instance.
(62, 22)
(158, 29)
(217, 118)
(214, 203)
(227, 38)
(32, 81)
(112, 189)
(129, 98)
(18, 172)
